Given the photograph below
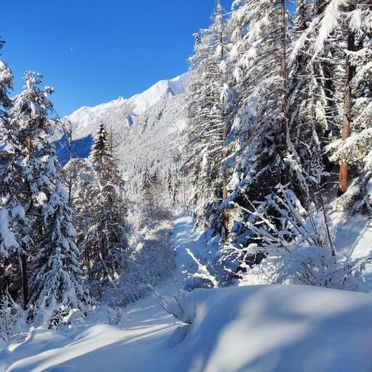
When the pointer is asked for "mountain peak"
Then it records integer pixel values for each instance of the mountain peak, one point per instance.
(86, 117)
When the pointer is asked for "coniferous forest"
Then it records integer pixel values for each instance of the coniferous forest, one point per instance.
(268, 182)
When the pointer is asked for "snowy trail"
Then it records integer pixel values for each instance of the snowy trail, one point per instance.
(363, 247)
(183, 238)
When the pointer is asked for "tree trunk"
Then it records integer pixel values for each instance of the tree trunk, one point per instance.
(283, 73)
(24, 278)
(225, 217)
(23, 257)
(29, 146)
(319, 6)
(343, 178)
(283, 90)
(346, 121)
(225, 213)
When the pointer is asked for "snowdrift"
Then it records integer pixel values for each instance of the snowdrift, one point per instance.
(279, 328)
(257, 328)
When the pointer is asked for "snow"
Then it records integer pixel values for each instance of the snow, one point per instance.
(184, 239)
(257, 328)
(329, 22)
(99, 347)
(252, 328)
(354, 238)
(349, 233)
(9, 241)
(363, 248)
(164, 88)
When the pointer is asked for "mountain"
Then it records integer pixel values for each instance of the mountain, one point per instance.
(145, 127)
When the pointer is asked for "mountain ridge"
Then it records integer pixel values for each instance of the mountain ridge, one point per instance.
(145, 126)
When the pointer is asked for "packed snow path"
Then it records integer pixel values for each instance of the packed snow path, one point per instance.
(363, 248)
(256, 328)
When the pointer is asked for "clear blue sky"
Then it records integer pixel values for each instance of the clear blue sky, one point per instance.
(92, 51)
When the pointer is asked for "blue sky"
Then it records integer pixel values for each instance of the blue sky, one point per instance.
(92, 51)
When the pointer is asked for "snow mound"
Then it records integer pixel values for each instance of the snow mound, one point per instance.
(257, 328)
(279, 328)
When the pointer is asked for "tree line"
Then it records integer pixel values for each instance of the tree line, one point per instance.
(61, 230)
(280, 133)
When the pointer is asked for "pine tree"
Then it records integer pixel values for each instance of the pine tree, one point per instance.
(104, 213)
(6, 83)
(354, 32)
(258, 62)
(303, 16)
(319, 6)
(100, 150)
(58, 279)
(32, 186)
(332, 57)
(308, 103)
(9, 244)
(28, 182)
(317, 84)
(207, 128)
(155, 203)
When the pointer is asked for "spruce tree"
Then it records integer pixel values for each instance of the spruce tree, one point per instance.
(101, 152)
(207, 126)
(330, 66)
(57, 283)
(259, 134)
(9, 245)
(6, 83)
(103, 241)
(33, 185)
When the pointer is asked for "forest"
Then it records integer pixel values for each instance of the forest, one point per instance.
(274, 160)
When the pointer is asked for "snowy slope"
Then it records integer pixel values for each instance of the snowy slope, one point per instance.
(258, 328)
(145, 127)
(253, 328)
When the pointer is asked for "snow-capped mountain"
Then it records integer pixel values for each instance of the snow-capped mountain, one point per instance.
(145, 127)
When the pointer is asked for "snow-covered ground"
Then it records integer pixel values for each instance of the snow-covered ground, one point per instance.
(363, 247)
(354, 238)
(254, 328)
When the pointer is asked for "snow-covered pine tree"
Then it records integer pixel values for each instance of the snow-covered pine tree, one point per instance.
(302, 15)
(258, 134)
(6, 83)
(146, 179)
(101, 148)
(334, 93)
(26, 131)
(170, 181)
(33, 185)
(308, 102)
(57, 283)
(354, 150)
(319, 85)
(9, 245)
(14, 191)
(207, 126)
(319, 6)
(104, 212)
